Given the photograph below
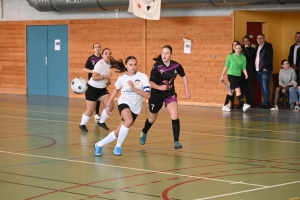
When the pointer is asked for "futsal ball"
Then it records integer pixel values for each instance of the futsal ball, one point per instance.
(79, 85)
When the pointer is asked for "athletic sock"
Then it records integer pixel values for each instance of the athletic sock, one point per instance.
(228, 98)
(108, 139)
(241, 100)
(176, 129)
(122, 135)
(104, 116)
(147, 126)
(84, 119)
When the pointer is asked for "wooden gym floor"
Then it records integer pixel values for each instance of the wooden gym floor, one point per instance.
(225, 155)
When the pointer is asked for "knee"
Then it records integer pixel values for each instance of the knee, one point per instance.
(128, 122)
(152, 118)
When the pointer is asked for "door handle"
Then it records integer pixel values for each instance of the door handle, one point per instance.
(46, 60)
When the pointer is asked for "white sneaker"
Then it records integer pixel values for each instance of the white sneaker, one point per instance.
(225, 108)
(275, 108)
(246, 107)
(297, 108)
(97, 117)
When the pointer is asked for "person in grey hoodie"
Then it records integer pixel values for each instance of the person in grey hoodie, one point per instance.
(287, 76)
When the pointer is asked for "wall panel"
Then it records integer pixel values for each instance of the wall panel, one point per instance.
(141, 38)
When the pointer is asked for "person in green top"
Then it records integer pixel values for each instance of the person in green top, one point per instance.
(235, 64)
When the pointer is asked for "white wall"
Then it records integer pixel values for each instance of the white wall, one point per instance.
(21, 10)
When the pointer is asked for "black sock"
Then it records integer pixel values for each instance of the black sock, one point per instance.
(147, 126)
(241, 100)
(176, 129)
(228, 98)
(97, 107)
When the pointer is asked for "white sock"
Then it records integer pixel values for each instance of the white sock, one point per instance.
(122, 135)
(108, 139)
(84, 119)
(103, 117)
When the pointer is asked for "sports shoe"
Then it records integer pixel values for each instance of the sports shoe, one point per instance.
(103, 125)
(275, 108)
(98, 150)
(118, 151)
(297, 108)
(97, 117)
(225, 108)
(246, 107)
(143, 138)
(83, 128)
(177, 145)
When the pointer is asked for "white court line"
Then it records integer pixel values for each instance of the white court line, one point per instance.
(135, 169)
(245, 191)
(227, 136)
(200, 125)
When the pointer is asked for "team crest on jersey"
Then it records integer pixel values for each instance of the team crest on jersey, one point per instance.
(93, 62)
(161, 71)
(137, 83)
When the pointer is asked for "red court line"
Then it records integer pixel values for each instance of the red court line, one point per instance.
(155, 181)
(167, 190)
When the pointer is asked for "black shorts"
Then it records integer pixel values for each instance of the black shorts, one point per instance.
(122, 107)
(93, 94)
(235, 81)
(155, 102)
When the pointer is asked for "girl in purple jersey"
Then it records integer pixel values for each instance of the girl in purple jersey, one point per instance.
(162, 79)
(89, 67)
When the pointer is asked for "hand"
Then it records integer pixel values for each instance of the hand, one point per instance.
(107, 109)
(295, 84)
(130, 83)
(163, 87)
(246, 76)
(108, 74)
(222, 79)
(187, 94)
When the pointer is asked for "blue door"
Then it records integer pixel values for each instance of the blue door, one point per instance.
(37, 60)
(47, 60)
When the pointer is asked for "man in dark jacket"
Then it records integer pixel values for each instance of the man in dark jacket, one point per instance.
(264, 67)
(294, 56)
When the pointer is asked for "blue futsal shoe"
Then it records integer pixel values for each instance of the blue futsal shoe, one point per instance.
(98, 150)
(143, 138)
(118, 151)
(177, 145)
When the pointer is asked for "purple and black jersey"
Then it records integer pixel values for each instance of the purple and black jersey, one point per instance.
(165, 75)
(91, 62)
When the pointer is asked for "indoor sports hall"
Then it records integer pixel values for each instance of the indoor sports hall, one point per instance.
(236, 155)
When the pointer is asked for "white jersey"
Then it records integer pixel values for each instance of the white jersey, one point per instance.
(101, 68)
(129, 97)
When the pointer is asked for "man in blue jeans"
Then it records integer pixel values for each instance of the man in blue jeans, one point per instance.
(264, 67)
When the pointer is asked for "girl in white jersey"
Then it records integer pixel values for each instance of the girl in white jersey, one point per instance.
(134, 86)
(97, 90)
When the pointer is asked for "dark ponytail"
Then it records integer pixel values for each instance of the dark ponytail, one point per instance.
(119, 65)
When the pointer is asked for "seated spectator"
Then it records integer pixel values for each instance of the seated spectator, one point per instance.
(294, 96)
(287, 76)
